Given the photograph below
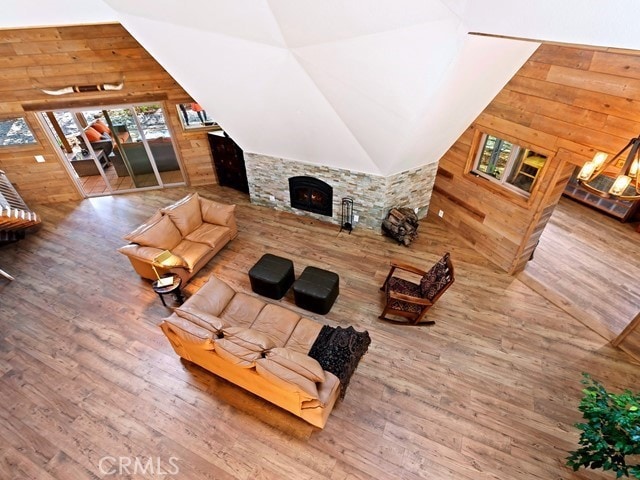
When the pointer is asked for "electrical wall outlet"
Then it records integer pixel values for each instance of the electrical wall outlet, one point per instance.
(356, 218)
(441, 213)
(39, 159)
(272, 198)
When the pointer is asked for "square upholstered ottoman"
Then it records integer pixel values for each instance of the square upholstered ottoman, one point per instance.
(271, 276)
(316, 290)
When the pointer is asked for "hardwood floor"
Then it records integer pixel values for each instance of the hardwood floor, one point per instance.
(94, 185)
(588, 264)
(489, 392)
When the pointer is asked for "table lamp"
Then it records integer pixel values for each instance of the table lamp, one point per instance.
(159, 261)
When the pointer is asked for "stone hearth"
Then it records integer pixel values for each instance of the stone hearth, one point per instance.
(373, 195)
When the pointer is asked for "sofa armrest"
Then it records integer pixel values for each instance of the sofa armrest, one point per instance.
(186, 331)
(145, 254)
(141, 259)
(106, 145)
(148, 254)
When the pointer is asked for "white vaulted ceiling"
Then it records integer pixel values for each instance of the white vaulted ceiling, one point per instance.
(347, 84)
(367, 85)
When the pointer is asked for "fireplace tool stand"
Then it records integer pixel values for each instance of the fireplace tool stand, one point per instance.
(346, 215)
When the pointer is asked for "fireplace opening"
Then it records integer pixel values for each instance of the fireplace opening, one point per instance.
(312, 195)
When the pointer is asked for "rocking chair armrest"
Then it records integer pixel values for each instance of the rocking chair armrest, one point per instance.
(408, 268)
(409, 298)
(401, 266)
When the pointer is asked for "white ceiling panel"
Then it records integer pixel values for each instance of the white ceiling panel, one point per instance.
(346, 84)
(245, 19)
(308, 22)
(258, 93)
(43, 13)
(483, 66)
(395, 68)
(585, 22)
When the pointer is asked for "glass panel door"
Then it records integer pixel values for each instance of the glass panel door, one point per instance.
(119, 148)
(88, 156)
(158, 136)
(132, 155)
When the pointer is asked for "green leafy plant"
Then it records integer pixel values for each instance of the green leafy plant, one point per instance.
(611, 433)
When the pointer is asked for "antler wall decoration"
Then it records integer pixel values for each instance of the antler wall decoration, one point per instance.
(86, 88)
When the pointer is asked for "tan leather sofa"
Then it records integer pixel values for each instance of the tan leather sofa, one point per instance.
(259, 346)
(193, 229)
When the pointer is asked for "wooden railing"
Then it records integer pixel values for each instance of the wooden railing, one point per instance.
(15, 215)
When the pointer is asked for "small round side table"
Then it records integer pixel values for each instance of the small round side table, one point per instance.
(173, 288)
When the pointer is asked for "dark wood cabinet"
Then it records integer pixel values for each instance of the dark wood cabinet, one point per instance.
(623, 210)
(228, 162)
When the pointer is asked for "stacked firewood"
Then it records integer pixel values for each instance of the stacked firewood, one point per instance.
(401, 224)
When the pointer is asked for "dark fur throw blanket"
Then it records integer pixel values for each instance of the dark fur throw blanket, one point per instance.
(339, 350)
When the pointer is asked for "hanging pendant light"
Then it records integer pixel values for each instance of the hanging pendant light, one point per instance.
(625, 186)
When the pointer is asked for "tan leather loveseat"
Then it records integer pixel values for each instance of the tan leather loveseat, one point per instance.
(193, 229)
(259, 346)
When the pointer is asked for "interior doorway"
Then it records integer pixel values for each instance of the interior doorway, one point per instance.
(588, 263)
(115, 149)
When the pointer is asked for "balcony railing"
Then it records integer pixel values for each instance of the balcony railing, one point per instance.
(15, 216)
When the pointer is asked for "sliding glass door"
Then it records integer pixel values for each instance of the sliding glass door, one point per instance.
(116, 149)
(133, 158)
(154, 129)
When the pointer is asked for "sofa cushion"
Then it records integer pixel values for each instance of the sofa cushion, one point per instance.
(191, 252)
(185, 214)
(212, 297)
(286, 379)
(189, 332)
(242, 346)
(212, 235)
(236, 354)
(200, 318)
(101, 127)
(298, 362)
(92, 134)
(152, 220)
(216, 213)
(243, 309)
(249, 338)
(277, 322)
(304, 335)
(162, 234)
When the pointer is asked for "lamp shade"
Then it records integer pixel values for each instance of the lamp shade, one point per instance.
(597, 175)
(620, 185)
(162, 257)
(599, 158)
(586, 171)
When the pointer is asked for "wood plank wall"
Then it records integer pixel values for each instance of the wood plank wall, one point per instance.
(36, 58)
(568, 101)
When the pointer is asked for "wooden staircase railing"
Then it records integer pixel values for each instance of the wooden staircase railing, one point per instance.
(15, 216)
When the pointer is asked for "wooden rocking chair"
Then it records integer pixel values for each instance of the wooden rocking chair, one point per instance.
(412, 300)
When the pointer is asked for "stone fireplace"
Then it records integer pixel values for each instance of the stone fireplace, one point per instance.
(373, 195)
(311, 194)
